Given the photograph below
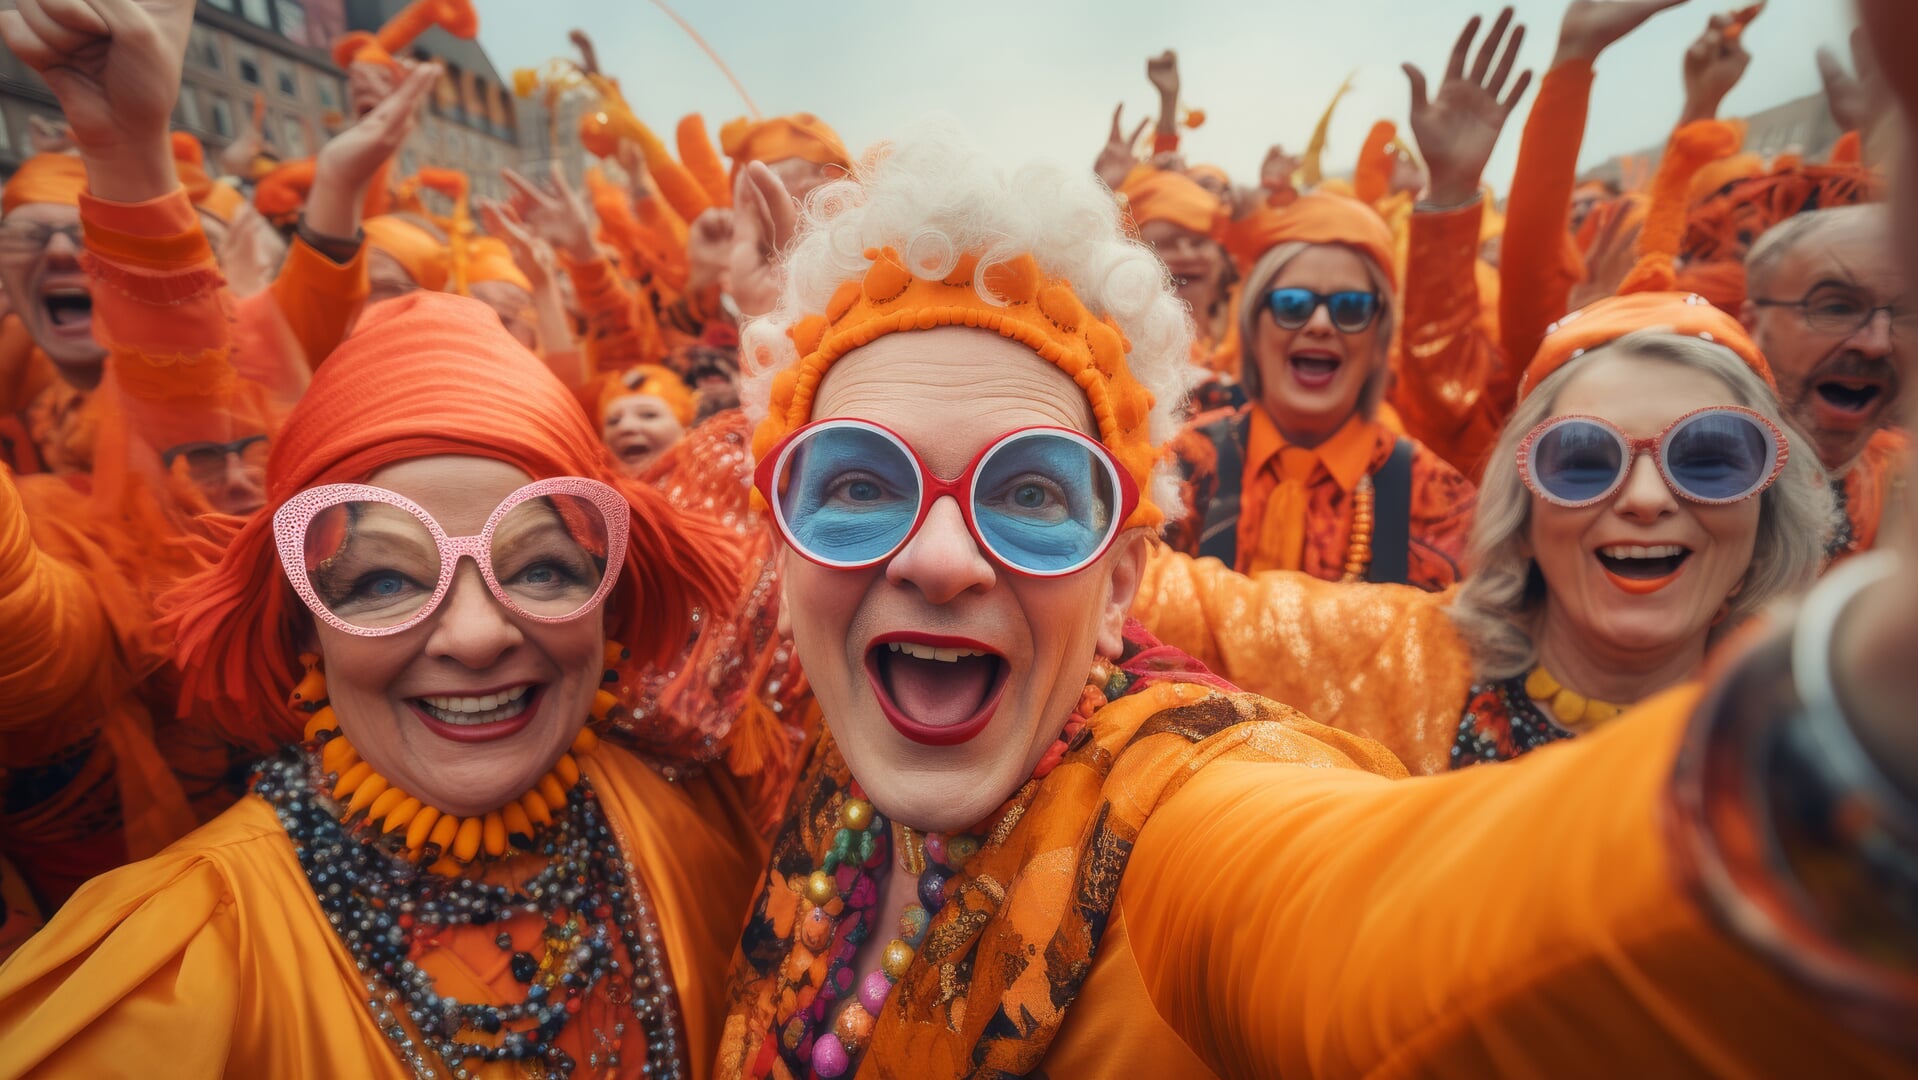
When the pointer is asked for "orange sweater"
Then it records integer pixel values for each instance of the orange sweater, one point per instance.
(1540, 262)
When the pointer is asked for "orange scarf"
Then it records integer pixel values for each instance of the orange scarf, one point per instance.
(984, 993)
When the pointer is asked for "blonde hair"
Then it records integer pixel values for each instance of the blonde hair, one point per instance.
(1498, 608)
(933, 197)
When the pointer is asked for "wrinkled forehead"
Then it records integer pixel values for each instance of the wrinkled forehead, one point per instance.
(951, 391)
(460, 492)
(1856, 253)
(41, 213)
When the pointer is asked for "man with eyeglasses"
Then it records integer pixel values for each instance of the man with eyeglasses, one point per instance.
(1826, 301)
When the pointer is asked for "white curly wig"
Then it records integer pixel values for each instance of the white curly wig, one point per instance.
(932, 197)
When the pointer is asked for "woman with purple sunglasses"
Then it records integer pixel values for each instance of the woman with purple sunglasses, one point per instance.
(1645, 500)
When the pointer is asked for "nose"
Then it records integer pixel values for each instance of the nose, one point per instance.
(1645, 497)
(942, 560)
(1320, 324)
(1874, 338)
(63, 244)
(471, 628)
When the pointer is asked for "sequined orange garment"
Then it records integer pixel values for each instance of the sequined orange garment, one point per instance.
(1874, 485)
(1441, 509)
(1539, 262)
(1006, 957)
(227, 921)
(1381, 661)
(1454, 385)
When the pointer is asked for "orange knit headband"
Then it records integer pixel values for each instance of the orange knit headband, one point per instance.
(45, 178)
(1043, 314)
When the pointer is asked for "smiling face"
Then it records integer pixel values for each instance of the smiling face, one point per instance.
(1837, 387)
(1196, 262)
(1311, 379)
(882, 646)
(638, 428)
(1644, 571)
(471, 707)
(40, 267)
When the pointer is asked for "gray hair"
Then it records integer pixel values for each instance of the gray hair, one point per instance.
(1498, 608)
(1785, 237)
(1251, 306)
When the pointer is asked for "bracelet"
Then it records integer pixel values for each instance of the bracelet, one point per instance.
(1426, 207)
(340, 249)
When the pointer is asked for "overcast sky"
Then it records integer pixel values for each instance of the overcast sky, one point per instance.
(1039, 78)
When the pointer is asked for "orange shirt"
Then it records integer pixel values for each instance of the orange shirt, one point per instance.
(215, 958)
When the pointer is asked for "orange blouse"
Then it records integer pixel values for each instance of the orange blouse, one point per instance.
(215, 958)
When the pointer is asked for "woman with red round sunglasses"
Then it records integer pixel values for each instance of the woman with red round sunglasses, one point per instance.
(1028, 837)
(440, 868)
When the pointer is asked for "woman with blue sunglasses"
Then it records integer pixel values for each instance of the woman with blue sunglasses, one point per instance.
(1311, 475)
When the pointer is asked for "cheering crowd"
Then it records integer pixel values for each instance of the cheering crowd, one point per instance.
(779, 609)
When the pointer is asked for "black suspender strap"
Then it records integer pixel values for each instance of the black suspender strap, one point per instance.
(1392, 518)
(1219, 536)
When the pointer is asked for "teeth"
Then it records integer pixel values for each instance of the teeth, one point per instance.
(1634, 551)
(485, 709)
(928, 652)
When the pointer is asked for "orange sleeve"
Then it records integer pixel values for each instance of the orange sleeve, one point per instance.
(319, 298)
(1539, 261)
(53, 634)
(1382, 661)
(620, 330)
(1368, 927)
(1454, 387)
(163, 313)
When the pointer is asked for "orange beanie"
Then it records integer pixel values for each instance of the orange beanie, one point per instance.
(1313, 219)
(800, 135)
(648, 380)
(1161, 195)
(427, 374)
(424, 256)
(45, 178)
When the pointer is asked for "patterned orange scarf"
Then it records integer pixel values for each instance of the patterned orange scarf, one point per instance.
(987, 993)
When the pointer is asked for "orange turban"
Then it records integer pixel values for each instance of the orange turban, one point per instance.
(220, 199)
(427, 374)
(648, 380)
(45, 178)
(801, 135)
(424, 256)
(489, 259)
(1043, 314)
(1314, 219)
(1162, 195)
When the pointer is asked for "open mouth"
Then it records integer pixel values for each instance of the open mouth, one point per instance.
(479, 717)
(1314, 370)
(1850, 396)
(936, 690)
(68, 308)
(1643, 569)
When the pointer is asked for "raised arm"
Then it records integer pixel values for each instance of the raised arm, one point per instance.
(1455, 384)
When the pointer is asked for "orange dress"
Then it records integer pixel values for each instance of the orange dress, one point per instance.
(215, 958)
(1270, 517)
(1209, 885)
(1454, 385)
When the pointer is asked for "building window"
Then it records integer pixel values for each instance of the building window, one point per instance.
(204, 48)
(222, 117)
(292, 20)
(329, 98)
(289, 82)
(248, 62)
(256, 12)
(6, 136)
(295, 140)
(189, 108)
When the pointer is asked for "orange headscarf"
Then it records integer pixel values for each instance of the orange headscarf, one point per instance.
(489, 259)
(1648, 299)
(1162, 195)
(426, 374)
(647, 380)
(1043, 314)
(424, 256)
(45, 178)
(800, 135)
(220, 199)
(1313, 219)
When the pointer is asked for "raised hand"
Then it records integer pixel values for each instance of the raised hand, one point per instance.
(1592, 26)
(115, 66)
(1458, 127)
(1714, 64)
(1117, 159)
(554, 212)
(349, 161)
(1163, 71)
(1278, 168)
(531, 254)
(764, 221)
(237, 158)
(709, 249)
(1857, 101)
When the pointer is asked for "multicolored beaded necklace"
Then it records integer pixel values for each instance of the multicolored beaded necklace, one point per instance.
(601, 950)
